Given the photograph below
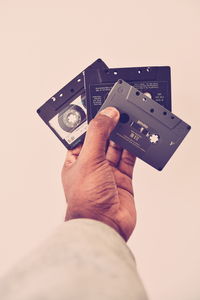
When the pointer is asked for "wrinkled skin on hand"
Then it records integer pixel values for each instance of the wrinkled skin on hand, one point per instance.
(97, 178)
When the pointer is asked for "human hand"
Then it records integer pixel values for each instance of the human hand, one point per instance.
(97, 178)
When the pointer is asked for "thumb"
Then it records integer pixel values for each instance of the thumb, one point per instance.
(98, 132)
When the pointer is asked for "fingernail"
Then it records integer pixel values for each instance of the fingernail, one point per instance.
(110, 112)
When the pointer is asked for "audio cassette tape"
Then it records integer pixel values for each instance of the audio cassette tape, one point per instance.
(146, 128)
(65, 112)
(155, 82)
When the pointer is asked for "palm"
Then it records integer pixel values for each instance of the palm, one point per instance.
(105, 185)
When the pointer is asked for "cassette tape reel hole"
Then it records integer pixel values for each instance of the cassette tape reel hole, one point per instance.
(154, 138)
(124, 118)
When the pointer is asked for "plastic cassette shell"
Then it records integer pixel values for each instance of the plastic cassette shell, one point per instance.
(143, 78)
(144, 114)
(64, 97)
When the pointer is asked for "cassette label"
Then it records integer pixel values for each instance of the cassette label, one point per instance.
(145, 128)
(138, 134)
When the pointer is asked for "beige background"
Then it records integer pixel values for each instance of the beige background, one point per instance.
(44, 44)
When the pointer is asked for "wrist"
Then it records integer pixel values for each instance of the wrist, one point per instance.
(80, 214)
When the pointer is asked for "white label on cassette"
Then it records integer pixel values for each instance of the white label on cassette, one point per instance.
(70, 123)
(77, 133)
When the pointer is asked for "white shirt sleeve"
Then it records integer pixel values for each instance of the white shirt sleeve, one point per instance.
(83, 259)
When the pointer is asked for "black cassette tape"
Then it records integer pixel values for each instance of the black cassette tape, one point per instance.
(65, 113)
(145, 128)
(155, 82)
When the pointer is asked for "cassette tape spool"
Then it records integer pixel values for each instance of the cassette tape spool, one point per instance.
(71, 118)
(145, 128)
(155, 82)
(65, 112)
